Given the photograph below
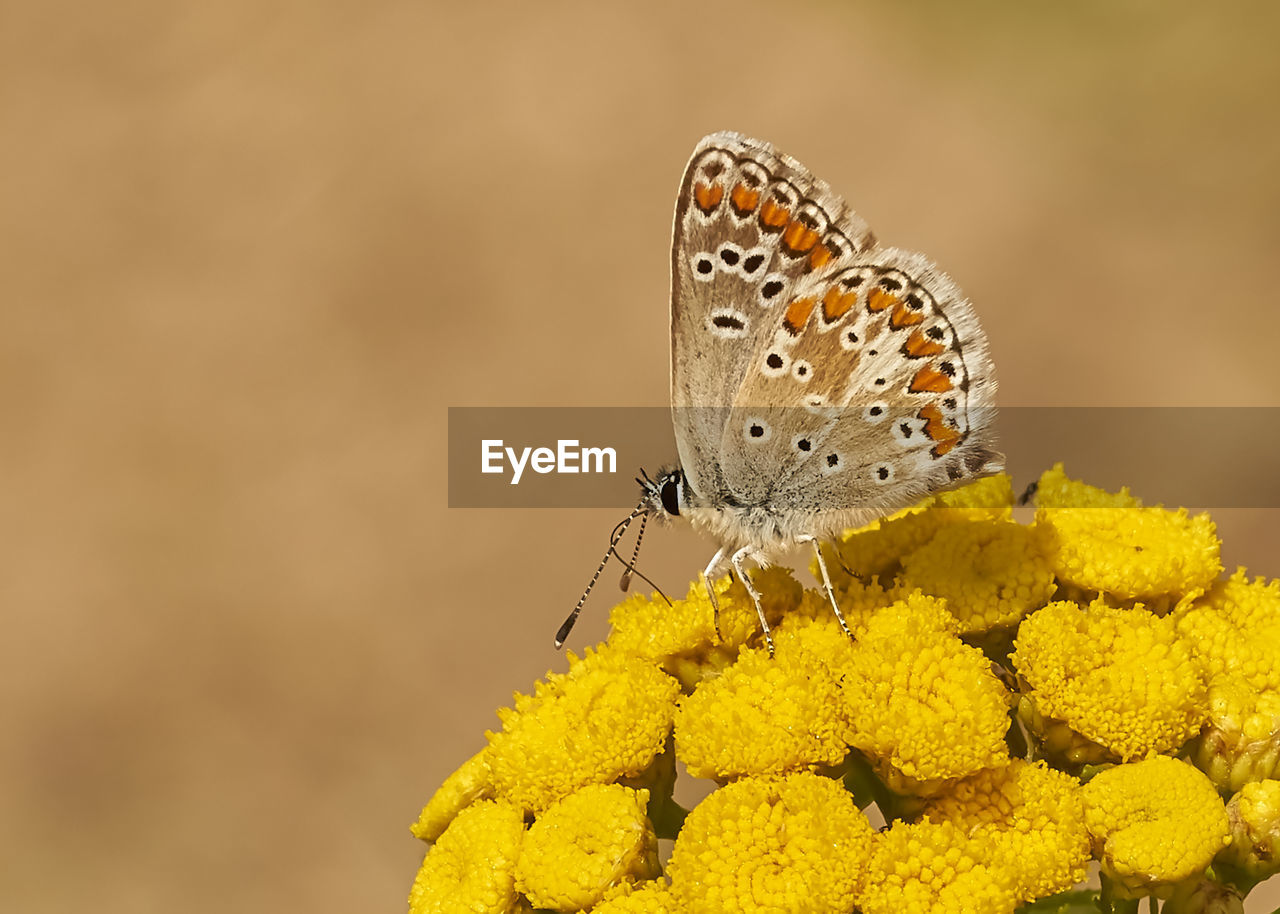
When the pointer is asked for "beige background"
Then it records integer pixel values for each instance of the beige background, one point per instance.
(252, 251)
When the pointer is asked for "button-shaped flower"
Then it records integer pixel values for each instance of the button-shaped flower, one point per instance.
(990, 572)
(1154, 823)
(586, 844)
(922, 701)
(1241, 742)
(1254, 814)
(1121, 549)
(606, 718)
(1120, 677)
(450, 878)
(1235, 628)
(937, 868)
(1034, 818)
(768, 715)
(682, 637)
(793, 844)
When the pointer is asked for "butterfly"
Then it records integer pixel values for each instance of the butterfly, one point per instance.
(818, 380)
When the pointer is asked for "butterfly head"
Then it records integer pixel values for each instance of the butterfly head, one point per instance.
(664, 497)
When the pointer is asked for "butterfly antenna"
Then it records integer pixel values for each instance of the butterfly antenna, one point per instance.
(563, 634)
(635, 554)
(632, 569)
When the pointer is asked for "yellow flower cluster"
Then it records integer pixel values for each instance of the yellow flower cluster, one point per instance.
(1012, 702)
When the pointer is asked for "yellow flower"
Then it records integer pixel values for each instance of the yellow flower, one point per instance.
(1235, 628)
(1120, 549)
(472, 866)
(1254, 814)
(606, 718)
(682, 637)
(768, 715)
(878, 547)
(921, 700)
(1034, 817)
(1121, 677)
(591, 841)
(990, 572)
(793, 844)
(936, 868)
(469, 783)
(1242, 740)
(1154, 823)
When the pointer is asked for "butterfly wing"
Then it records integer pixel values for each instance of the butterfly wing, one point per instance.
(750, 225)
(814, 374)
(902, 369)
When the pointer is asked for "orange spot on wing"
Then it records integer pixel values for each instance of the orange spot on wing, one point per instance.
(773, 215)
(836, 304)
(918, 345)
(708, 196)
(820, 256)
(798, 315)
(938, 431)
(929, 380)
(745, 199)
(879, 299)
(799, 237)
(904, 317)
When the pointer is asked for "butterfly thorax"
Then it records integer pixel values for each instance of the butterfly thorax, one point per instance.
(735, 524)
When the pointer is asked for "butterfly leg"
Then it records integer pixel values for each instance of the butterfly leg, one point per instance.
(826, 581)
(713, 571)
(745, 553)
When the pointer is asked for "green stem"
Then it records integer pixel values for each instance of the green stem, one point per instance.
(1113, 905)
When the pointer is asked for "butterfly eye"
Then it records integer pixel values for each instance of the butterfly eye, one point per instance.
(800, 370)
(876, 412)
(671, 497)
(802, 444)
(704, 268)
(883, 473)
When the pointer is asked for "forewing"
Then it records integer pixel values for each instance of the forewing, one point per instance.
(752, 229)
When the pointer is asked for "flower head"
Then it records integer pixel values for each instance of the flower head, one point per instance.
(1154, 823)
(606, 718)
(1241, 742)
(682, 637)
(792, 844)
(1235, 628)
(1120, 677)
(1033, 816)
(922, 701)
(1254, 814)
(1109, 544)
(990, 572)
(768, 715)
(937, 868)
(585, 844)
(450, 881)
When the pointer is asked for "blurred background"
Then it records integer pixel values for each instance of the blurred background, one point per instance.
(252, 251)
